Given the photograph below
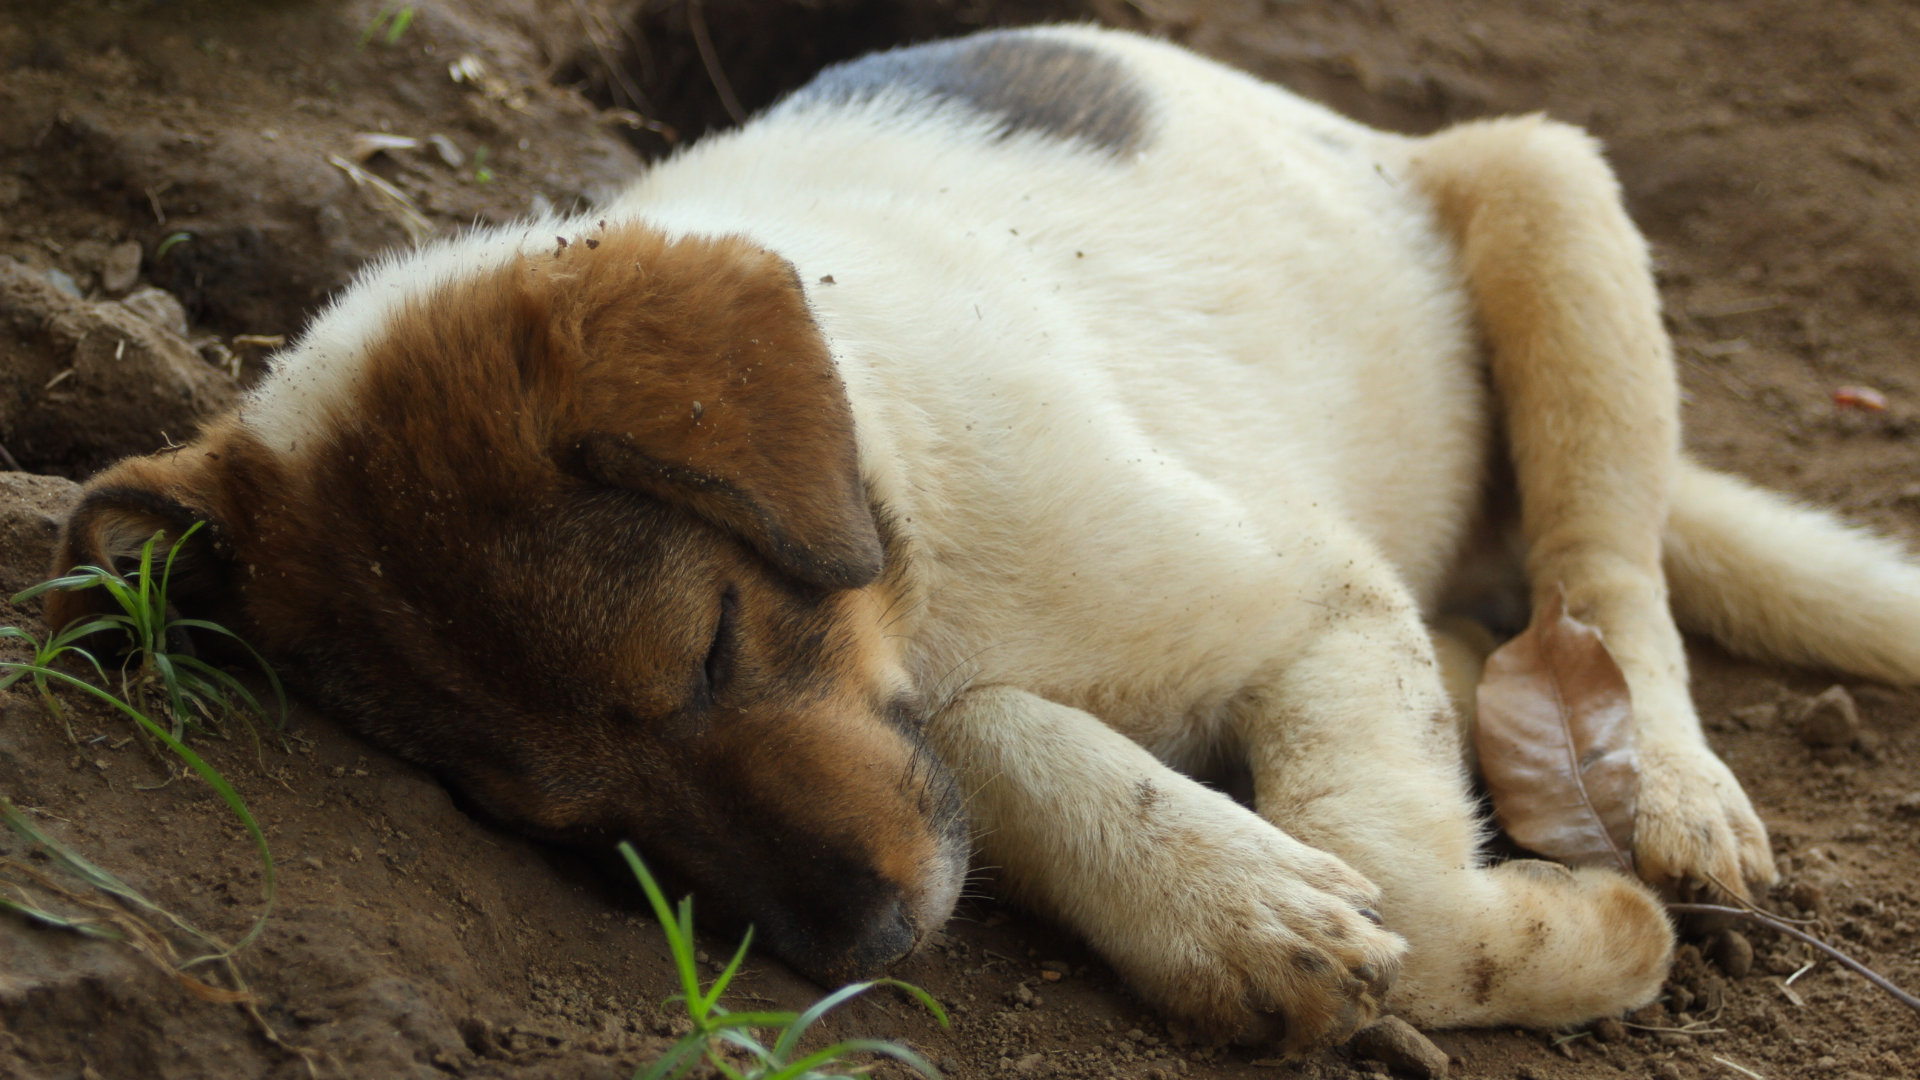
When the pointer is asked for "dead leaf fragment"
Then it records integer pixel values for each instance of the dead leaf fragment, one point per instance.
(1863, 398)
(1554, 732)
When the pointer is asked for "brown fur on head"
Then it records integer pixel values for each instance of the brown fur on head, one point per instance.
(588, 536)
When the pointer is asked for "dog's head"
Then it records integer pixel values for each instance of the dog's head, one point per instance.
(584, 532)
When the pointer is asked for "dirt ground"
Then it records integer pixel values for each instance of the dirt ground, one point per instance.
(198, 161)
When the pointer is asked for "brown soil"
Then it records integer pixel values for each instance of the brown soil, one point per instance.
(1767, 147)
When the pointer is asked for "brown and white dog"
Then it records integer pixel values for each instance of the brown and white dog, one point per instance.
(1028, 422)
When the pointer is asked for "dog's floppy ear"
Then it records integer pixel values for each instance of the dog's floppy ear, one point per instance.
(698, 376)
(119, 511)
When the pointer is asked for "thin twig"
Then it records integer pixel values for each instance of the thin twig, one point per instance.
(1741, 1069)
(697, 22)
(1778, 926)
(6, 455)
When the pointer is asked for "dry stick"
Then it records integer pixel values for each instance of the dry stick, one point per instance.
(7, 456)
(1783, 927)
(697, 22)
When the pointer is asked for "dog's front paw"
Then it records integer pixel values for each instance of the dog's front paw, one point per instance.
(1255, 937)
(1695, 828)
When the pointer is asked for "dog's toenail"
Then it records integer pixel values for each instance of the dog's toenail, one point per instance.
(1372, 916)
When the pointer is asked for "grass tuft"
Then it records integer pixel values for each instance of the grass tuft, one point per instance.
(188, 695)
(714, 1027)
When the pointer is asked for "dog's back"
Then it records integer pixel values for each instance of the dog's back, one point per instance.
(1189, 308)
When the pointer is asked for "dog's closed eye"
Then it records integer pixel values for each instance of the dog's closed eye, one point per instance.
(717, 668)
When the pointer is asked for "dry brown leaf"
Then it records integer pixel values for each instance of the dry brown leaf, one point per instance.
(1554, 731)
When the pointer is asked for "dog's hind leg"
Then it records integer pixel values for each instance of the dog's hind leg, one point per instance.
(1353, 748)
(1584, 375)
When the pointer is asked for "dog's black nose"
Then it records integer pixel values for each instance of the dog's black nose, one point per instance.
(868, 941)
(889, 938)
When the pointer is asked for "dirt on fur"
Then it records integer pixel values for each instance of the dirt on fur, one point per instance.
(189, 180)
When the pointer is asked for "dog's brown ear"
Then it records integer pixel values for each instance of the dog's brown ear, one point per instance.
(699, 377)
(119, 511)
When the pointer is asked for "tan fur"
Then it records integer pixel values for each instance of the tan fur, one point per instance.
(1588, 392)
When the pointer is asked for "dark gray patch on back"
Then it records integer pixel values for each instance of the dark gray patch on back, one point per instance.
(1028, 83)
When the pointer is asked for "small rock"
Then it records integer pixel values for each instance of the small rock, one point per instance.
(1394, 1043)
(1807, 896)
(1755, 717)
(1028, 1063)
(1609, 1030)
(159, 308)
(63, 281)
(1830, 719)
(120, 270)
(449, 151)
(1667, 1070)
(1654, 1015)
(1907, 805)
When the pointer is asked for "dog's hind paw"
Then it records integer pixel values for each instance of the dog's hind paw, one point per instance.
(1695, 828)
(1269, 942)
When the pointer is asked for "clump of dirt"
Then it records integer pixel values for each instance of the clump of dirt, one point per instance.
(234, 162)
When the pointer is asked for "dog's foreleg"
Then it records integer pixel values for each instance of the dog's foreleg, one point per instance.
(1209, 912)
(1354, 749)
(1584, 375)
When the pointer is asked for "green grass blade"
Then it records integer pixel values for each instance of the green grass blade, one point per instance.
(726, 976)
(790, 1038)
(920, 995)
(75, 631)
(166, 572)
(219, 684)
(401, 20)
(88, 927)
(170, 682)
(273, 677)
(832, 1054)
(753, 1020)
(71, 859)
(145, 577)
(680, 943)
(214, 780)
(82, 577)
(676, 1061)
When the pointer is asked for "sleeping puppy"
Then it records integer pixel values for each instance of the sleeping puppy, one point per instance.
(980, 444)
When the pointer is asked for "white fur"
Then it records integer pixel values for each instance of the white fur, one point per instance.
(1183, 447)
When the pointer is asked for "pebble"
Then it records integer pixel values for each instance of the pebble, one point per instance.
(63, 281)
(1734, 953)
(1807, 896)
(120, 270)
(159, 307)
(1829, 720)
(1396, 1044)
(1609, 1030)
